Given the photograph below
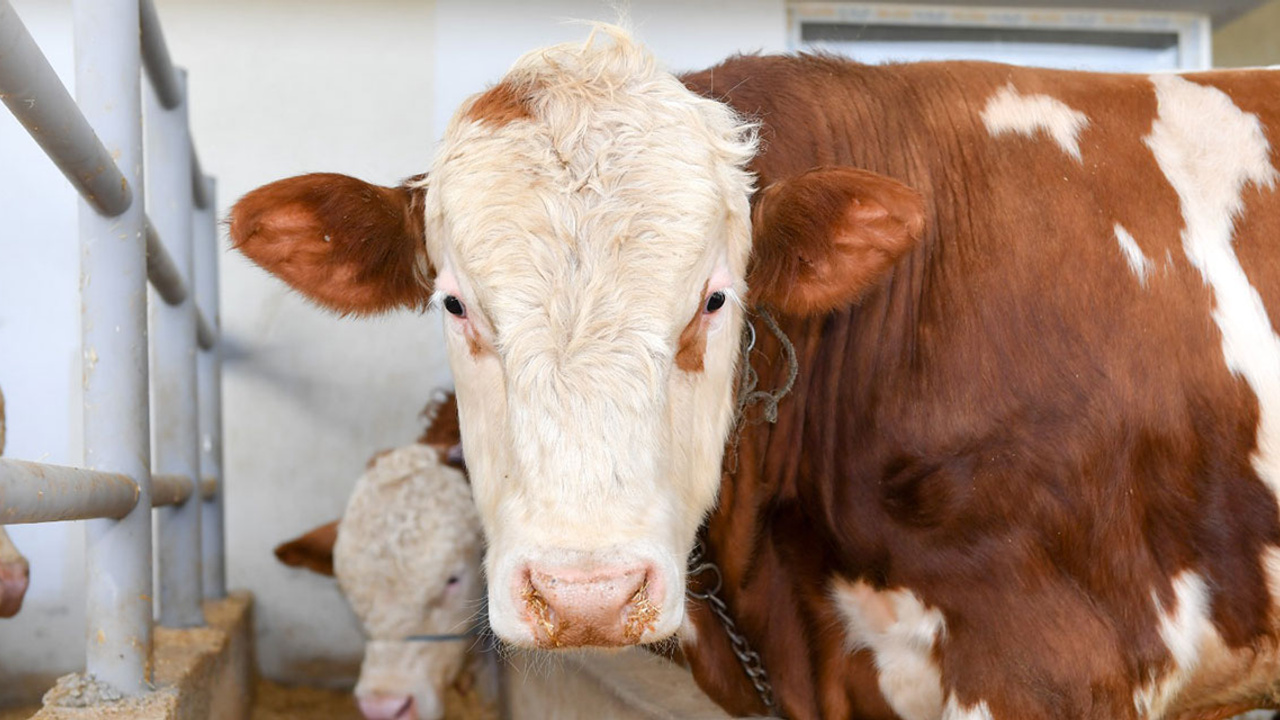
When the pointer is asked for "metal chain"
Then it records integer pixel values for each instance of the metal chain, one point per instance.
(749, 659)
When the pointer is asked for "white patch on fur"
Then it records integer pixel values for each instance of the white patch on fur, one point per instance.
(1139, 263)
(900, 632)
(409, 526)
(1210, 150)
(956, 711)
(1184, 628)
(1008, 111)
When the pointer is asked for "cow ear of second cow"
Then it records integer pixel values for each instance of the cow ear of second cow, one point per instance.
(312, 550)
(348, 245)
(823, 238)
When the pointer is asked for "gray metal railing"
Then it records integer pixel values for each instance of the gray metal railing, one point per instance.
(97, 140)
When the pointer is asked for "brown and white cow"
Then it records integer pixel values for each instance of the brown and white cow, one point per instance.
(1029, 464)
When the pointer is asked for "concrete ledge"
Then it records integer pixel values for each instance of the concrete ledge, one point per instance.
(200, 674)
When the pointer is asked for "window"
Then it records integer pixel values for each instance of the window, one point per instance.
(1129, 41)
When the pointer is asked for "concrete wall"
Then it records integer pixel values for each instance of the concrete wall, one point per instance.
(278, 88)
(1253, 39)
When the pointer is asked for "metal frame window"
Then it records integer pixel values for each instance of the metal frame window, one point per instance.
(1063, 38)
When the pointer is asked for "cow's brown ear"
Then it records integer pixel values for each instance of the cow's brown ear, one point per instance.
(823, 238)
(350, 246)
(312, 550)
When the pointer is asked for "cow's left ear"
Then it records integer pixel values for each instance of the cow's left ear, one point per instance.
(312, 550)
(823, 238)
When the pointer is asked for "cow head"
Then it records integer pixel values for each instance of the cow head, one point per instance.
(589, 231)
(407, 557)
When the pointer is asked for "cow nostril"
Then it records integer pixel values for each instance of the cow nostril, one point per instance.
(642, 614)
(544, 616)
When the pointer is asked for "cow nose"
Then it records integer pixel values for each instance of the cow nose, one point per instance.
(609, 607)
(14, 577)
(378, 706)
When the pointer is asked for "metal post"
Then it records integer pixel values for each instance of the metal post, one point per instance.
(113, 332)
(209, 363)
(173, 355)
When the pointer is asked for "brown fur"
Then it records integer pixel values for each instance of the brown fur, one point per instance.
(824, 237)
(1007, 423)
(312, 550)
(500, 105)
(692, 344)
(348, 245)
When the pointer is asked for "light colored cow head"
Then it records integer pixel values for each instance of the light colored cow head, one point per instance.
(407, 557)
(592, 231)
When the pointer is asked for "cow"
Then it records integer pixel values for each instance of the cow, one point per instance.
(970, 369)
(406, 554)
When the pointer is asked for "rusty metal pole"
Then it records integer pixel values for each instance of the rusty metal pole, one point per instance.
(113, 332)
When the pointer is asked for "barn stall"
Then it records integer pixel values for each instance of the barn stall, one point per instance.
(274, 88)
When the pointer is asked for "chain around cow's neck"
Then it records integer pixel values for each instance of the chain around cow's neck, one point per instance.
(768, 400)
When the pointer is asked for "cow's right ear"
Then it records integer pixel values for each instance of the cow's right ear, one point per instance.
(348, 245)
(312, 550)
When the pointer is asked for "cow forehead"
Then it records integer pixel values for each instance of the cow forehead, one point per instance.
(608, 180)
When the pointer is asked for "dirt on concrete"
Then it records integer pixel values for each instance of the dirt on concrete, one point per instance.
(274, 701)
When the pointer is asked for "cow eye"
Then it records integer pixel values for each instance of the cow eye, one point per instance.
(454, 306)
(715, 301)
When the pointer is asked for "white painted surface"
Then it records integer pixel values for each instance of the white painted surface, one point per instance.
(39, 371)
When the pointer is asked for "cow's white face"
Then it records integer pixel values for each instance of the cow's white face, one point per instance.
(408, 561)
(587, 230)
(590, 258)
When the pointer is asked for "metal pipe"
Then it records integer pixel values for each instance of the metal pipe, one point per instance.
(35, 492)
(170, 490)
(113, 331)
(202, 194)
(161, 271)
(173, 360)
(155, 57)
(34, 94)
(206, 336)
(209, 364)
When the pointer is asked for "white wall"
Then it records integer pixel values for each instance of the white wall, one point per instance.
(39, 370)
(279, 88)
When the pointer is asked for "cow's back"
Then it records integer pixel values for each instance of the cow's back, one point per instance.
(1058, 420)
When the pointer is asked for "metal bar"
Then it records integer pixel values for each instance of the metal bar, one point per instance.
(209, 364)
(34, 94)
(206, 336)
(155, 57)
(161, 271)
(173, 360)
(170, 490)
(35, 492)
(203, 195)
(164, 80)
(113, 331)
